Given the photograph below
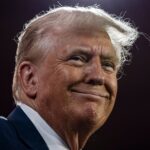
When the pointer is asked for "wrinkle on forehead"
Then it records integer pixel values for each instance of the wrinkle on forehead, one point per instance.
(100, 40)
(81, 39)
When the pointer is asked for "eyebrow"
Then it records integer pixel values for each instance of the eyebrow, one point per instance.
(81, 50)
(111, 56)
(87, 51)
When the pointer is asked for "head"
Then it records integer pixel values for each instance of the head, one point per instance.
(67, 63)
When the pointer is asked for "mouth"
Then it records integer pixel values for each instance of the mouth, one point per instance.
(91, 94)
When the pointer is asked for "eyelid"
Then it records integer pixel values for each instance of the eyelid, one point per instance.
(85, 56)
(109, 64)
(81, 57)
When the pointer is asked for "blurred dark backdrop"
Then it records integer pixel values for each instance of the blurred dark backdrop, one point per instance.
(129, 125)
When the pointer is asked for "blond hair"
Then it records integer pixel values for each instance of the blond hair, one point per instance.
(34, 36)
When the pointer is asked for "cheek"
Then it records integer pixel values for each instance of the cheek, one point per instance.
(70, 75)
(59, 79)
(56, 87)
(115, 86)
(112, 85)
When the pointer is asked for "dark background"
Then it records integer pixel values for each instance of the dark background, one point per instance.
(129, 124)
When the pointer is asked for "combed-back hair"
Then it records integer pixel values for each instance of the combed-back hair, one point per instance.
(33, 42)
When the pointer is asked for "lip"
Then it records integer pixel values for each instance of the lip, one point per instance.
(91, 94)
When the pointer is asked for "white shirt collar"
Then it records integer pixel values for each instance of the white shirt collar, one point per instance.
(51, 138)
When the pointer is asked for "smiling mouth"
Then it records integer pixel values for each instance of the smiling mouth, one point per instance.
(91, 94)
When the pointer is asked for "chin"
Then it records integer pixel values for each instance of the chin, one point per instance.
(93, 116)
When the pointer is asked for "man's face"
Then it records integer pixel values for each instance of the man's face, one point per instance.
(77, 81)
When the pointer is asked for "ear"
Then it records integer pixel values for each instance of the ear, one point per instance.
(28, 78)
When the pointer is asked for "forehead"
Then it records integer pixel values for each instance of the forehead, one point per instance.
(94, 42)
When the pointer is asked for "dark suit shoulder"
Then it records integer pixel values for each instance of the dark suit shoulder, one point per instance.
(5, 127)
(8, 135)
(18, 133)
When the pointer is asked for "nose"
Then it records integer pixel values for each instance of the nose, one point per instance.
(94, 73)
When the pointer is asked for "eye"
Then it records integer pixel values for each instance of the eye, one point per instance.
(81, 58)
(108, 66)
(78, 60)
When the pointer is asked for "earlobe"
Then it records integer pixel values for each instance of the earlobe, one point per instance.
(28, 79)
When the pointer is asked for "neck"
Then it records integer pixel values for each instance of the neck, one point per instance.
(75, 133)
(75, 142)
(75, 138)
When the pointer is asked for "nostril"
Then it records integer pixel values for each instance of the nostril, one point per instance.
(96, 81)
